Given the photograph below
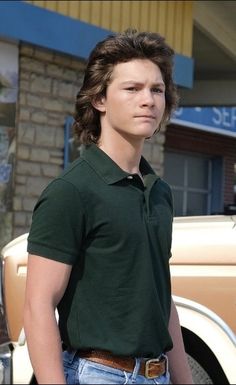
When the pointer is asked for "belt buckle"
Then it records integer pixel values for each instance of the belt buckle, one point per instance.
(147, 368)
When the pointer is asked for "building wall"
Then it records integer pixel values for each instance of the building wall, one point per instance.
(49, 81)
(196, 141)
(48, 84)
(173, 19)
(8, 100)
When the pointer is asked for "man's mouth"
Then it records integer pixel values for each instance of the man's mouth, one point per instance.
(145, 116)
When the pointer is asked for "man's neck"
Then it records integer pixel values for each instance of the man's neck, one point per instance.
(124, 153)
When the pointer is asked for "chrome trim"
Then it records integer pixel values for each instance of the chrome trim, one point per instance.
(6, 364)
(6, 376)
(192, 305)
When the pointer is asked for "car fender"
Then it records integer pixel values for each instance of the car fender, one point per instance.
(209, 327)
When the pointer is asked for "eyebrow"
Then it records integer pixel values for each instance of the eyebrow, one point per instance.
(158, 84)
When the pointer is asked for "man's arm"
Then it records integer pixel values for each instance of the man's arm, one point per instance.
(45, 286)
(180, 372)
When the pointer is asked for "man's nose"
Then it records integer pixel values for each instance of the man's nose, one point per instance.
(147, 98)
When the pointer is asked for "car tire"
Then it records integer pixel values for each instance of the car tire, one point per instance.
(200, 376)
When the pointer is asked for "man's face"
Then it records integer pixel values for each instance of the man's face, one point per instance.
(135, 100)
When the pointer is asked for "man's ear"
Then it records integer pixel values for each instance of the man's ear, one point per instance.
(99, 104)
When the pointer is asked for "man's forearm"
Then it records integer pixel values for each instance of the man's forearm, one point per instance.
(178, 364)
(44, 347)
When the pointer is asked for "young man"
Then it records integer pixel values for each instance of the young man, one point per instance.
(100, 240)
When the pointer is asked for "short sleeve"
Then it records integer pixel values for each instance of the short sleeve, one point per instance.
(58, 223)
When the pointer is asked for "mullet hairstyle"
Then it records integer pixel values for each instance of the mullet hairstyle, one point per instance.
(116, 49)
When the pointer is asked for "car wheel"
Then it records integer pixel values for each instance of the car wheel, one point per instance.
(200, 376)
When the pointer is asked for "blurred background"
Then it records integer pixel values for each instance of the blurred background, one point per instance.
(43, 50)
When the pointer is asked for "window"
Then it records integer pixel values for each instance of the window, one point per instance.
(8, 97)
(71, 148)
(195, 182)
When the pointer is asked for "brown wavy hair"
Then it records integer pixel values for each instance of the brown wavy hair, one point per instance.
(116, 49)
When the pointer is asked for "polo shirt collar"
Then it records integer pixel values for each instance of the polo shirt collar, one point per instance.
(107, 169)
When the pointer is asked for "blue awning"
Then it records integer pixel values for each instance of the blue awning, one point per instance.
(48, 29)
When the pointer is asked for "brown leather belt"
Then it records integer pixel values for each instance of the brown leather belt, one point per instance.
(150, 368)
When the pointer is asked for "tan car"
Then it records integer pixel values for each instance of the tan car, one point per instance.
(203, 268)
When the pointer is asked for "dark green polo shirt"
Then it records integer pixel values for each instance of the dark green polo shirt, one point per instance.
(116, 232)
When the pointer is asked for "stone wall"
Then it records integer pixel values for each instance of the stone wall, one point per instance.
(47, 90)
(48, 83)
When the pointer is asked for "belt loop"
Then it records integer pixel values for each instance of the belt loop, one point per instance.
(71, 353)
(167, 363)
(136, 369)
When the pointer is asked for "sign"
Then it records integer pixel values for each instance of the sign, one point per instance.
(5, 172)
(8, 96)
(219, 120)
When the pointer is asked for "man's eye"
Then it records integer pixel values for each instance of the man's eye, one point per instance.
(132, 89)
(158, 90)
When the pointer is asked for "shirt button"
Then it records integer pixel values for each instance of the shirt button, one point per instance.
(129, 177)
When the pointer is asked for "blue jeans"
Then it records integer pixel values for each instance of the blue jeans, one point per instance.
(82, 371)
